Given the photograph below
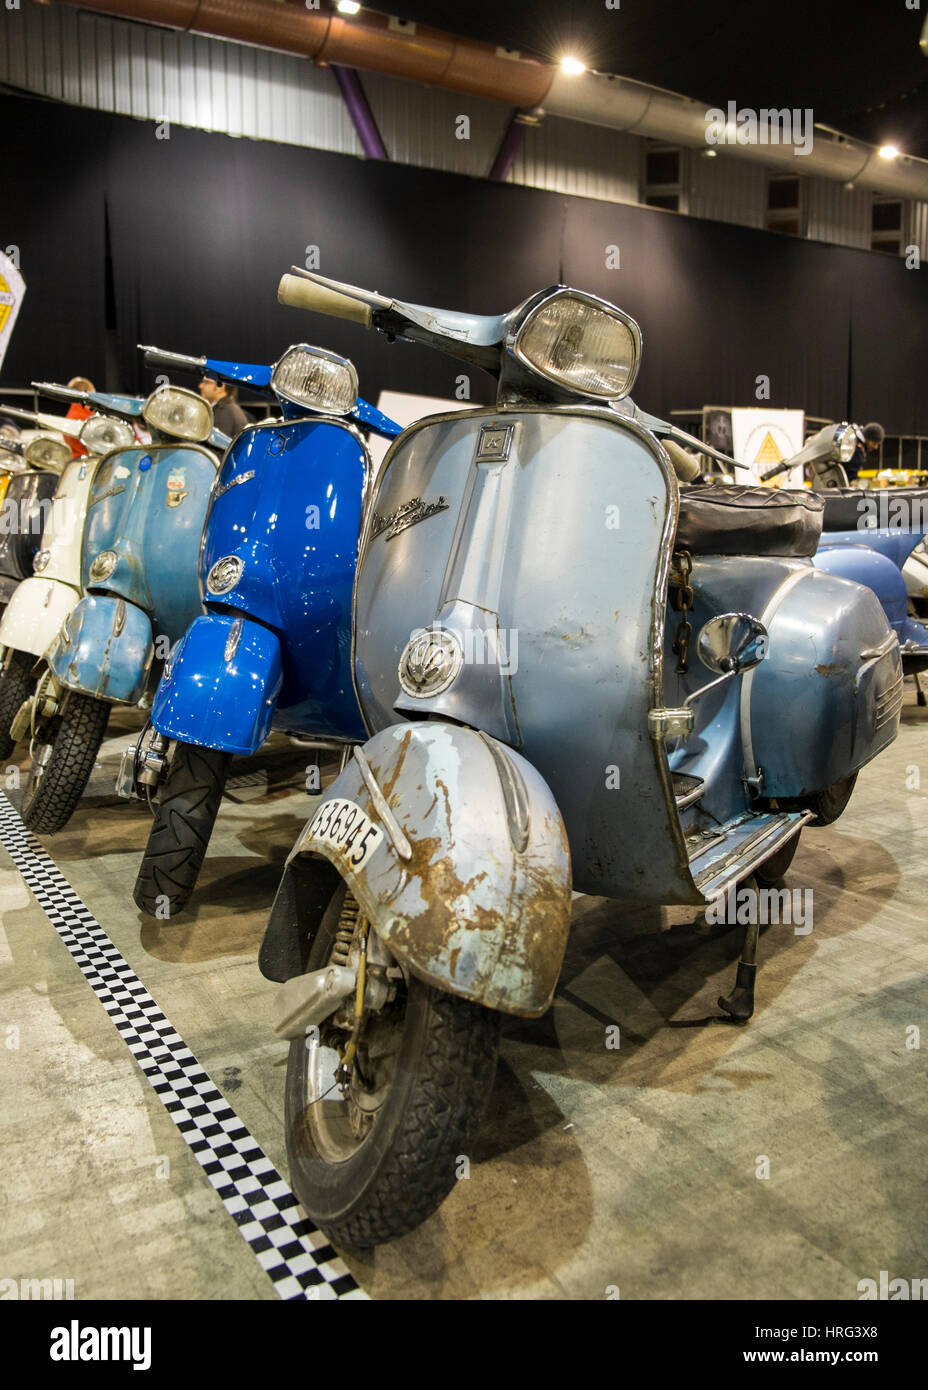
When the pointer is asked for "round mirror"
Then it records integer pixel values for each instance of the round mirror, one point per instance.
(732, 642)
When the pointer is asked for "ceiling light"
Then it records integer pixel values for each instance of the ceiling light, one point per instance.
(572, 66)
(348, 6)
(888, 152)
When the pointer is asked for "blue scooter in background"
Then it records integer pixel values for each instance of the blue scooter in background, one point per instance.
(867, 534)
(139, 574)
(274, 649)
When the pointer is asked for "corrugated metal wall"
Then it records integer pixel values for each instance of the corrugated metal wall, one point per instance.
(160, 74)
(837, 214)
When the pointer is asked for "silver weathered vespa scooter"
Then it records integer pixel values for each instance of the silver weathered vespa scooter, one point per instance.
(522, 573)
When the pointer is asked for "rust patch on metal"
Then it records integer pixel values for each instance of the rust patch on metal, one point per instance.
(387, 786)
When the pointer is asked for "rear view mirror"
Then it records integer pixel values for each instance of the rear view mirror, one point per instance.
(732, 642)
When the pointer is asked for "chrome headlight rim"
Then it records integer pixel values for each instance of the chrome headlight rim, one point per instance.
(94, 423)
(44, 451)
(319, 408)
(516, 340)
(846, 441)
(102, 566)
(224, 575)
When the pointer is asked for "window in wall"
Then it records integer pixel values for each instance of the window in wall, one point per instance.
(784, 212)
(662, 178)
(886, 225)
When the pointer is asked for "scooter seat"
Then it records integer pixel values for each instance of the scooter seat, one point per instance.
(720, 519)
(849, 508)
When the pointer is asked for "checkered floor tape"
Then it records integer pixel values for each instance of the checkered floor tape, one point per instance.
(296, 1258)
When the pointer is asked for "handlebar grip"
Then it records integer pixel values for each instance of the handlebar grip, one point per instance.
(172, 361)
(307, 294)
(772, 472)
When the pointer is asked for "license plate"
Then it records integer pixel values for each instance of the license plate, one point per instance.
(344, 826)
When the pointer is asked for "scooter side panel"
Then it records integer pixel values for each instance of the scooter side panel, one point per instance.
(874, 570)
(32, 619)
(62, 535)
(827, 699)
(466, 878)
(106, 649)
(287, 504)
(220, 686)
(556, 527)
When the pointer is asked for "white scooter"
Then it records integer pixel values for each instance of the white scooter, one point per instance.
(40, 604)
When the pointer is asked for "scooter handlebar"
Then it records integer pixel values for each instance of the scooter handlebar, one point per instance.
(307, 294)
(172, 361)
(772, 472)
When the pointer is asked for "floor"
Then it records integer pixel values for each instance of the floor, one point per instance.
(694, 1160)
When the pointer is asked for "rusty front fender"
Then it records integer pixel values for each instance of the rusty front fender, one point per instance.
(469, 884)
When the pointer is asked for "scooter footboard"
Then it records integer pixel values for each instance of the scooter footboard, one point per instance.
(456, 852)
(105, 648)
(220, 686)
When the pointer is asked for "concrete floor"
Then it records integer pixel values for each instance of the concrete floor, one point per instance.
(596, 1168)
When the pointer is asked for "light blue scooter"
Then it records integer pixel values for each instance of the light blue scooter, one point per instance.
(273, 649)
(576, 674)
(140, 576)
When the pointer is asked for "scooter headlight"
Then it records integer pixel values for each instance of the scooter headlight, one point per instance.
(224, 575)
(45, 452)
(103, 432)
(103, 566)
(317, 379)
(181, 413)
(581, 343)
(846, 440)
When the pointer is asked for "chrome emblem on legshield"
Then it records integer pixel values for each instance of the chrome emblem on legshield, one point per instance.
(221, 489)
(406, 515)
(430, 662)
(494, 445)
(232, 641)
(224, 575)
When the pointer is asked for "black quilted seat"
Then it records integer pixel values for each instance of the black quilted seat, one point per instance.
(850, 509)
(717, 519)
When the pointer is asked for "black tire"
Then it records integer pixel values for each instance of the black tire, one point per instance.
(405, 1166)
(186, 813)
(773, 869)
(16, 686)
(832, 802)
(75, 736)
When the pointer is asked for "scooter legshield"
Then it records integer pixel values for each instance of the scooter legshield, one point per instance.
(32, 619)
(220, 686)
(466, 877)
(105, 648)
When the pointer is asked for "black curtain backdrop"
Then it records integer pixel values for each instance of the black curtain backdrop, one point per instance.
(200, 228)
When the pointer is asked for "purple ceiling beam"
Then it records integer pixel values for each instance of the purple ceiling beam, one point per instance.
(510, 145)
(362, 116)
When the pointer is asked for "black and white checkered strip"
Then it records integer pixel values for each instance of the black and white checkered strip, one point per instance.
(296, 1258)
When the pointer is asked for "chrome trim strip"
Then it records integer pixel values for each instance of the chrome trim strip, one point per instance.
(400, 842)
(747, 680)
(734, 867)
(240, 478)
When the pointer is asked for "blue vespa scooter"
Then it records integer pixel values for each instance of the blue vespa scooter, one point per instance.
(274, 648)
(867, 535)
(140, 580)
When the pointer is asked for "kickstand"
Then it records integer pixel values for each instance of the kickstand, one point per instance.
(739, 1005)
(919, 692)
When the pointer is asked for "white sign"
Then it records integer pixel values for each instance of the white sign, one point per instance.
(762, 438)
(12, 289)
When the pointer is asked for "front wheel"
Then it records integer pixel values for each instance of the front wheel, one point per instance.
(184, 820)
(375, 1146)
(64, 751)
(16, 686)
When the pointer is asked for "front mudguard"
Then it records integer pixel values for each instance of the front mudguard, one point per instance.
(220, 686)
(469, 885)
(105, 648)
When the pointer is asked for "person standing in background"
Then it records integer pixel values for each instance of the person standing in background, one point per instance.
(227, 413)
(867, 453)
(78, 411)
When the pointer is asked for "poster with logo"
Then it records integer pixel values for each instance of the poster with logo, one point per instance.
(12, 289)
(761, 438)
